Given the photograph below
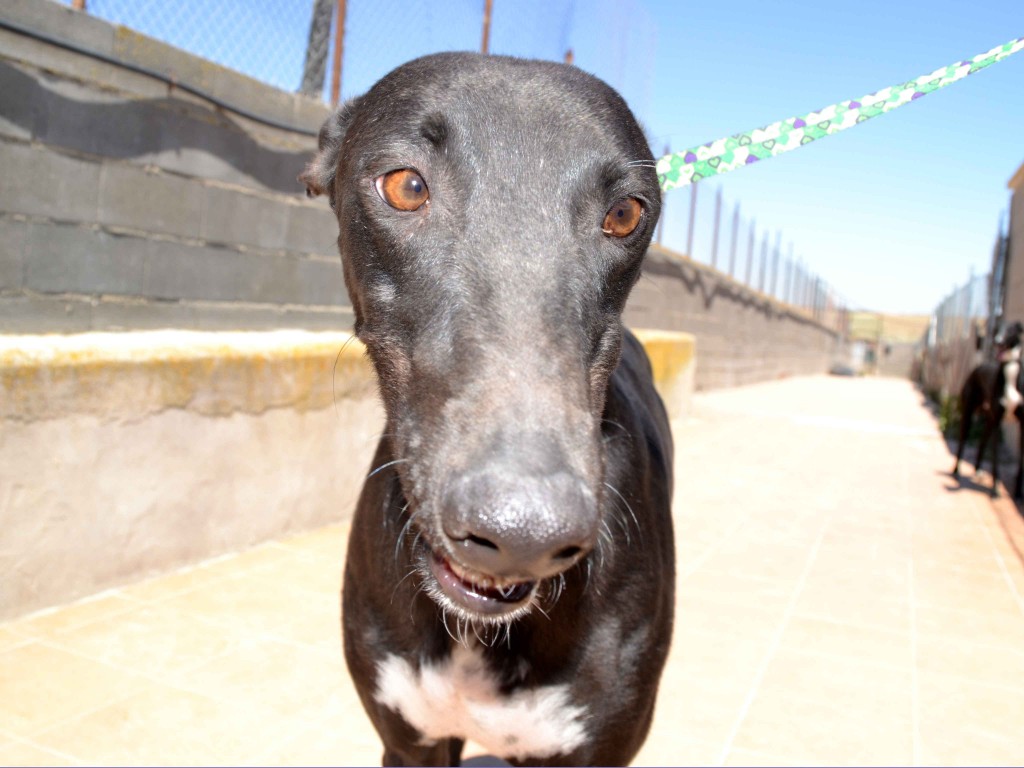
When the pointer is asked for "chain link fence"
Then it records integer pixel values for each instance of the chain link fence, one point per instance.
(956, 338)
(720, 233)
(290, 43)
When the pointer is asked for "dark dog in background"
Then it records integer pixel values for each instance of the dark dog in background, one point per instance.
(510, 573)
(993, 390)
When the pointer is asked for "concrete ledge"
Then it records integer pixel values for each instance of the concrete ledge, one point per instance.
(126, 455)
(126, 376)
(673, 361)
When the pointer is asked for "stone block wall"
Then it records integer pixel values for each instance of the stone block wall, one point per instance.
(128, 203)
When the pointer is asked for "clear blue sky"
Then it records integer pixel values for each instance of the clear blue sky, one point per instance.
(895, 212)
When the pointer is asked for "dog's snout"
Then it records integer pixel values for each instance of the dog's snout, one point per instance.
(512, 526)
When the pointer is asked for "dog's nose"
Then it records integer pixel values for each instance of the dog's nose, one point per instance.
(519, 527)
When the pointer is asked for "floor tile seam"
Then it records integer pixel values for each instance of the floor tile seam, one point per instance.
(915, 678)
(41, 733)
(965, 612)
(1018, 598)
(842, 709)
(875, 596)
(773, 757)
(315, 556)
(928, 675)
(302, 586)
(209, 579)
(176, 680)
(223, 622)
(946, 567)
(999, 521)
(711, 550)
(169, 681)
(233, 577)
(962, 563)
(745, 576)
(785, 759)
(186, 613)
(895, 633)
(26, 741)
(938, 638)
(172, 686)
(291, 738)
(208, 563)
(53, 610)
(37, 734)
(18, 643)
(772, 647)
(881, 666)
(849, 625)
(139, 676)
(1002, 602)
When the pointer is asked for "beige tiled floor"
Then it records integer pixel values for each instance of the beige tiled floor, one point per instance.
(841, 601)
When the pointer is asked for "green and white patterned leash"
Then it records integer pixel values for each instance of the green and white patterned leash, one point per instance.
(682, 168)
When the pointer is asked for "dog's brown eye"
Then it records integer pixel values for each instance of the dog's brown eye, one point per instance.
(623, 217)
(403, 189)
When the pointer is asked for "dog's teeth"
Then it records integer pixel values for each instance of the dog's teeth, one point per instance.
(505, 587)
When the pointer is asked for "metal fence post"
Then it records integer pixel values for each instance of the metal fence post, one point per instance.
(735, 236)
(693, 218)
(750, 252)
(788, 269)
(718, 222)
(486, 42)
(764, 262)
(775, 261)
(339, 49)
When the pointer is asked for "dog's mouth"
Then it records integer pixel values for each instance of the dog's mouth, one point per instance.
(475, 595)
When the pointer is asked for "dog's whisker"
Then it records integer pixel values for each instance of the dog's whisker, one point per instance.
(444, 621)
(334, 375)
(400, 538)
(629, 509)
(385, 466)
(613, 423)
(401, 581)
(476, 634)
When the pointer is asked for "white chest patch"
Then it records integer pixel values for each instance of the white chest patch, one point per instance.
(1011, 397)
(459, 698)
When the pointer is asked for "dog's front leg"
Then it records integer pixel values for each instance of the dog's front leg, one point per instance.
(997, 434)
(446, 752)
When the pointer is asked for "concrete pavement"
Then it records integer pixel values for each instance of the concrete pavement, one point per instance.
(841, 601)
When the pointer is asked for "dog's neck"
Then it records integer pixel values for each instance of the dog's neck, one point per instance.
(1011, 355)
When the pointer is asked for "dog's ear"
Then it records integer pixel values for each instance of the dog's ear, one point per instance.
(318, 177)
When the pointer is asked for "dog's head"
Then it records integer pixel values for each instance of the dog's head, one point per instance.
(1010, 336)
(493, 216)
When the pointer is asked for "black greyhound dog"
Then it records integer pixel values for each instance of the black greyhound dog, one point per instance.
(510, 572)
(994, 388)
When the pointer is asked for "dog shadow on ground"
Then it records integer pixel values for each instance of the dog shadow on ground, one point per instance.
(485, 761)
(981, 482)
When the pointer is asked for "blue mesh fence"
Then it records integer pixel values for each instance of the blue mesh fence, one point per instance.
(290, 44)
(269, 39)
